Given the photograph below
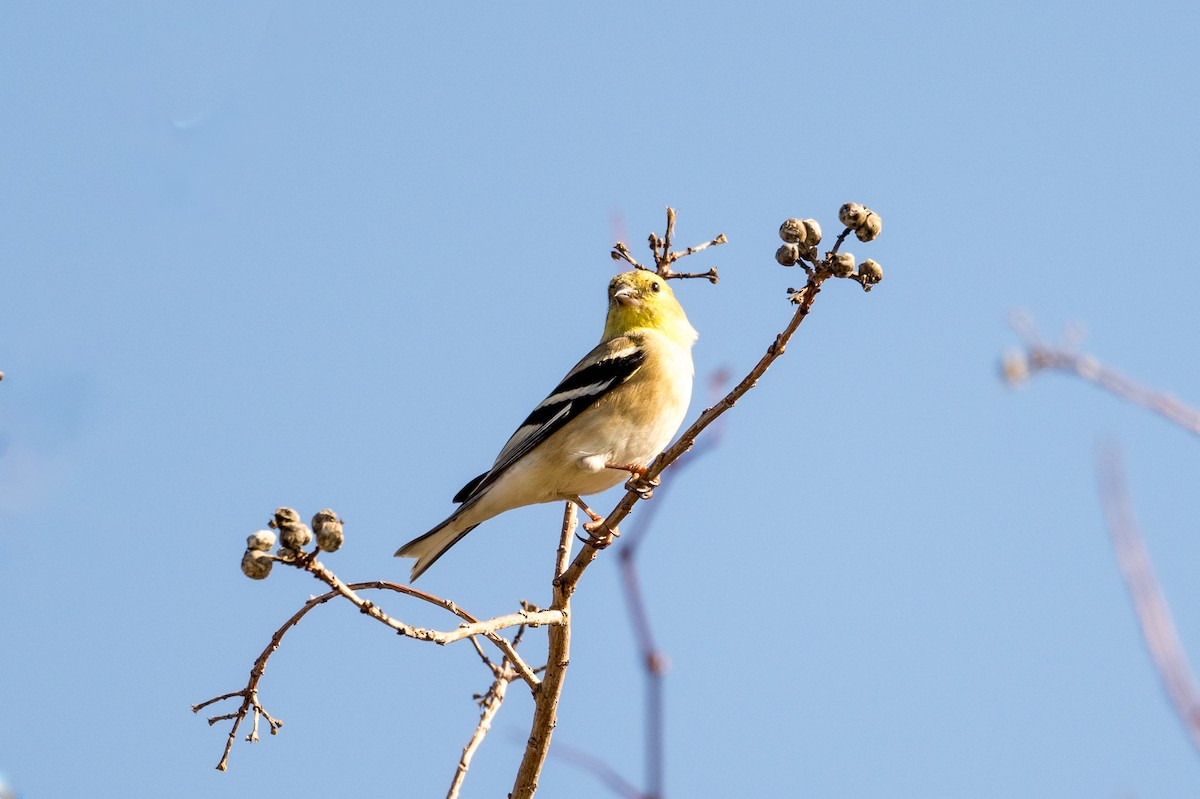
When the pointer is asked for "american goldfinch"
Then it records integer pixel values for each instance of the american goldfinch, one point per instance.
(608, 418)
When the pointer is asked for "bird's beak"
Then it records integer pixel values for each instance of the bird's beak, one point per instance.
(627, 296)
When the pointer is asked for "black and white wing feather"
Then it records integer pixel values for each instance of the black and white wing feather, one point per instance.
(579, 390)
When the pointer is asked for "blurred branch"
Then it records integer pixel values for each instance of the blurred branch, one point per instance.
(1019, 365)
(654, 662)
(1153, 613)
(601, 770)
(1133, 559)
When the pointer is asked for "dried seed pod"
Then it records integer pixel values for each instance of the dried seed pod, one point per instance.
(853, 214)
(331, 537)
(256, 564)
(788, 254)
(870, 271)
(261, 541)
(871, 227)
(328, 528)
(296, 535)
(812, 230)
(284, 516)
(792, 231)
(842, 264)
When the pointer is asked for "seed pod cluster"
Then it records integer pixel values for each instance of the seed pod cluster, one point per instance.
(801, 237)
(293, 536)
(866, 224)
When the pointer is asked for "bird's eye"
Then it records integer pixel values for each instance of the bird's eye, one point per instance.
(655, 287)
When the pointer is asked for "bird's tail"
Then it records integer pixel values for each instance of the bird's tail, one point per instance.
(431, 546)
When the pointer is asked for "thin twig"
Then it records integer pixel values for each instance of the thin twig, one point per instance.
(664, 257)
(371, 609)
(490, 703)
(621, 253)
(666, 240)
(837, 245)
(1153, 612)
(711, 275)
(249, 694)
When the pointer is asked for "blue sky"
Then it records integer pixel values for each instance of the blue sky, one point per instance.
(290, 254)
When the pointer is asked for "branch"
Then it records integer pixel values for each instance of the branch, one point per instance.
(1036, 357)
(249, 694)
(1153, 613)
(664, 256)
(558, 657)
(369, 608)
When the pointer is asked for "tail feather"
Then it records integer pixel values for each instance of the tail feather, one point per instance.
(431, 546)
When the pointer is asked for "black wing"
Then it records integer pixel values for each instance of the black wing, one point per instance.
(577, 392)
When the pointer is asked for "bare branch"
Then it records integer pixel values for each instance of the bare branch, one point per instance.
(490, 702)
(621, 253)
(1040, 357)
(1153, 612)
(369, 608)
(666, 240)
(664, 257)
(249, 694)
(521, 618)
(545, 712)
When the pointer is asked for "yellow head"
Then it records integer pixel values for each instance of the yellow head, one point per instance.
(642, 299)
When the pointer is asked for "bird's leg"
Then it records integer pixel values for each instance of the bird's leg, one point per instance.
(595, 525)
(637, 479)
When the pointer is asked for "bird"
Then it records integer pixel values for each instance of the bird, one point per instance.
(607, 418)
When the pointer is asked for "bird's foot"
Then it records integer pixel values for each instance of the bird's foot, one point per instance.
(637, 479)
(598, 536)
(642, 485)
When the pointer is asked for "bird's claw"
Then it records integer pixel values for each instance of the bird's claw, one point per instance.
(598, 537)
(642, 485)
